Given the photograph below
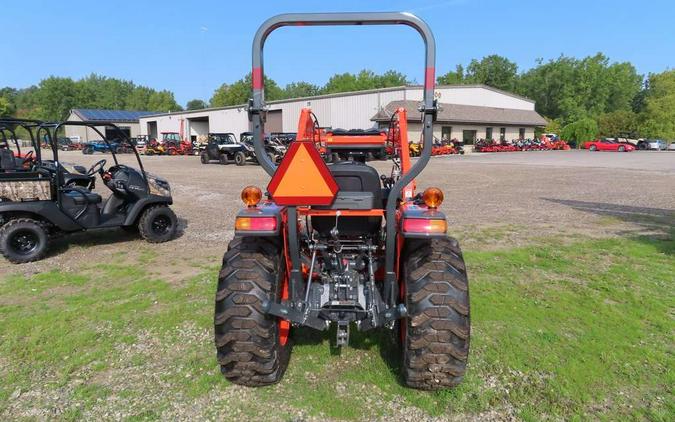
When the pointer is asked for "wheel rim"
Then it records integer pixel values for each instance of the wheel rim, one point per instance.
(161, 225)
(24, 242)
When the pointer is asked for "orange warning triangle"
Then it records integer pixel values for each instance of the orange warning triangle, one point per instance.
(302, 178)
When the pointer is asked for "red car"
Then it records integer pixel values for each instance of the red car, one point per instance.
(607, 145)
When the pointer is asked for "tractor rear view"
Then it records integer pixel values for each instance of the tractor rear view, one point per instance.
(341, 245)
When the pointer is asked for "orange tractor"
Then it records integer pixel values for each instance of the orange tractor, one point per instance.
(339, 245)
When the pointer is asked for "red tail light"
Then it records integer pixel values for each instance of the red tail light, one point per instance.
(421, 225)
(256, 224)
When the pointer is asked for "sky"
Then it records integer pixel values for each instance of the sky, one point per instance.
(192, 47)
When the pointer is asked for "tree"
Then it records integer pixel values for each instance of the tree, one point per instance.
(658, 117)
(580, 131)
(6, 107)
(163, 101)
(617, 122)
(495, 71)
(365, 79)
(240, 92)
(300, 89)
(56, 97)
(196, 104)
(452, 78)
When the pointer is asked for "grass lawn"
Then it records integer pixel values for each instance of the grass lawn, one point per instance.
(580, 331)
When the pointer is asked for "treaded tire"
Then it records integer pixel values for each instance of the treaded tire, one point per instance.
(240, 158)
(436, 340)
(152, 222)
(247, 340)
(593, 148)
(31, 231)
(222, 158)
(204, 157)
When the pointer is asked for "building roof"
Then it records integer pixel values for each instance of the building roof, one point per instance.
(115, 116)
(465, 114)
(344, 94)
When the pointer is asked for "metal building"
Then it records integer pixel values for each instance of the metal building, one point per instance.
(127, 121)
(468, 112)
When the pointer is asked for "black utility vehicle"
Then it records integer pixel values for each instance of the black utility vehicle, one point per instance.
(224, 148)
(46, 198)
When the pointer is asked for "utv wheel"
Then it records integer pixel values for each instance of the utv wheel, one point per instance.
(222, 159)
(593, 148)
(622, 148)
(23, 240)
(252, 348)
(204, 157)
(157, 224)
(240, 158)
(435, 336)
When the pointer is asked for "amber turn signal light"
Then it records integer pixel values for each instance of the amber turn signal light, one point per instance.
(432, 197)
(251, 196)
(257, 224)
(424, 226)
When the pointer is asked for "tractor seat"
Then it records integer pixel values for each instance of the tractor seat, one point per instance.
(359, 185)
(79, 197)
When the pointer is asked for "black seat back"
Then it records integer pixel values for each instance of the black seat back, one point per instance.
(354, 176)
(7, 161)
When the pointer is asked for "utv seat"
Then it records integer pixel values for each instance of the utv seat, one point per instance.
(7, 160)
(80, 197)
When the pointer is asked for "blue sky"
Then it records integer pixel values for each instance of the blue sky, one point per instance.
(191, 47)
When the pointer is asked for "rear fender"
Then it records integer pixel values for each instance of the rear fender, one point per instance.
(424, 213)
(264, 210)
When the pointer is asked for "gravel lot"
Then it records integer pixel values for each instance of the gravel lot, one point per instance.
(533, 194)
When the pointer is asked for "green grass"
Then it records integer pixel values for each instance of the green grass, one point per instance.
(581, 331)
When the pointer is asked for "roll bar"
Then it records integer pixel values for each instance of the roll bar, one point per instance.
(427, 108)
(257, 104)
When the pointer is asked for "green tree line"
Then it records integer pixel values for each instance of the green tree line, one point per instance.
(54, 97)
(581, 98)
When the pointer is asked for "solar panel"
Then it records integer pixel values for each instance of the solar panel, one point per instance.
(111, 115)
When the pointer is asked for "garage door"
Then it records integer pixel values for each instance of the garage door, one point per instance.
(274, 122)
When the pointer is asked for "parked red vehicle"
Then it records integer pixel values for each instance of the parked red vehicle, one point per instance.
(608, 145)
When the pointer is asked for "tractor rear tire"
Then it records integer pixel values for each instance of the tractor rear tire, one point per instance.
(23, 240)
(435, 339)
(249, 342)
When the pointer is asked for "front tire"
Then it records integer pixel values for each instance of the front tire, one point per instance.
(253, 348)
(435, 336)
(157, 224)
(23, 240)
(240, 158)
(593, 148)
(622, 148)
(204, 157)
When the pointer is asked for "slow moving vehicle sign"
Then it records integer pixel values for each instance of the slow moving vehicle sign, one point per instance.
(302, 178)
